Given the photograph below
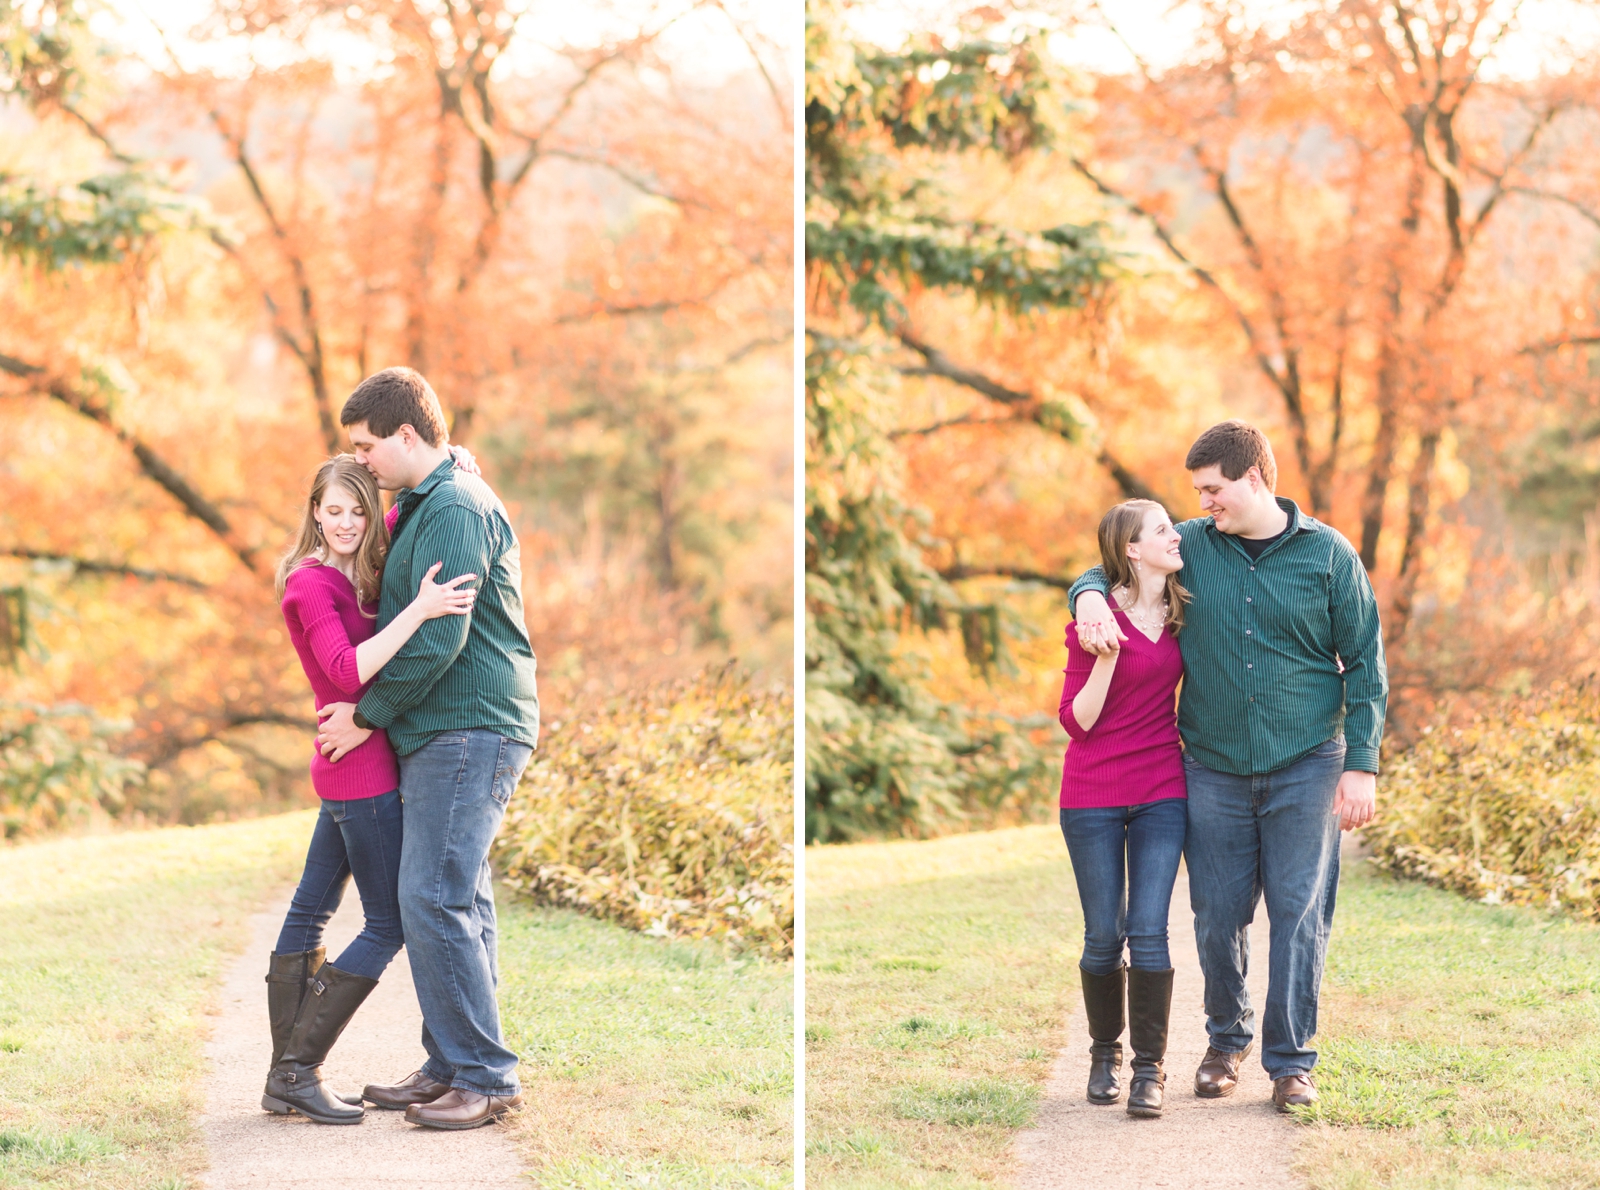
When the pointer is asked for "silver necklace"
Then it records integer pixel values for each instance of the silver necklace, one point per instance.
(1148, 626)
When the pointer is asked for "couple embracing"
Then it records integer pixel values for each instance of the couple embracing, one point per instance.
(1273, 631)
(429, 711)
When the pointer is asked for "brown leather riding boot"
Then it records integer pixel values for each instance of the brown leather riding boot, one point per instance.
(1149, 1008)
(1102, 1004)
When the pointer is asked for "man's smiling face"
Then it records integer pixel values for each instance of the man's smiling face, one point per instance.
(1227, 501)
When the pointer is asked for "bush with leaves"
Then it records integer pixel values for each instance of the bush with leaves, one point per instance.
(1505, 809)
(55, 768)
(670, 811)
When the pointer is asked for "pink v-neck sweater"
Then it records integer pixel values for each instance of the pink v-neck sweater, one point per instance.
(325, 623)
(1131, 754)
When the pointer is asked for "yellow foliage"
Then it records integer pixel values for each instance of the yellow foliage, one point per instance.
(1505, 809)
(670, 811)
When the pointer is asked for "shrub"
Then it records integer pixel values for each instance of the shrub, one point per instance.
(55, 768)
(670, 811)
(1505, 809)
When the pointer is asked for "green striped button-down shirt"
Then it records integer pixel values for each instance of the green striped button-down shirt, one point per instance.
(1263, 646)
(456, 673)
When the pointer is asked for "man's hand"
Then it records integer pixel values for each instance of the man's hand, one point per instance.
(338, 733)
(1097, 627)
(1356, 799)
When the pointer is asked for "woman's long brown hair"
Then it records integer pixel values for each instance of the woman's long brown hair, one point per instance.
(343, 471)
(1120, 528)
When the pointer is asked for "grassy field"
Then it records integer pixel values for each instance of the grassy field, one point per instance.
(1460, 1046)
(936, 978)
(1460, 1042)
(647, 1062)
(110, 950)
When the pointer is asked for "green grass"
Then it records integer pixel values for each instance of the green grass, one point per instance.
(1460, 1042)
(111, 948)
(646, 1062)
(937, 975)
(1460, 1046)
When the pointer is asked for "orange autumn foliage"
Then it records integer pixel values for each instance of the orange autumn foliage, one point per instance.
(585, 246)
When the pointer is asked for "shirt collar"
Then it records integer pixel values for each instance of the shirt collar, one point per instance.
(435, 477)
(1298, 523)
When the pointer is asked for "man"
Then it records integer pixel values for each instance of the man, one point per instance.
(1281, 714)
(461, 707)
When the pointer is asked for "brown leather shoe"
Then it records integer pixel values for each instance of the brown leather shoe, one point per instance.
(456, 1110)
(414, 1088)
(1219, 1073)
(1293, 1090)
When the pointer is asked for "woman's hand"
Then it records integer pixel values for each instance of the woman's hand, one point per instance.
(1097, 627)
(464, 460)
(443, 599)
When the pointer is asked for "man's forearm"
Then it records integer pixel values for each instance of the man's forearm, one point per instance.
(1093, 579)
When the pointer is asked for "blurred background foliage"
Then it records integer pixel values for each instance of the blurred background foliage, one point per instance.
(576, 223)
(1049, 245)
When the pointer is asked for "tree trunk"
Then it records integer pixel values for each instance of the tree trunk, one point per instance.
(1418, 500)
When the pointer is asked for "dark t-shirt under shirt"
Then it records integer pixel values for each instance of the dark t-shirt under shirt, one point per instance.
(1256, 546)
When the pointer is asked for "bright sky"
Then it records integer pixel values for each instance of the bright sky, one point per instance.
(1549, 33)
(703, 41)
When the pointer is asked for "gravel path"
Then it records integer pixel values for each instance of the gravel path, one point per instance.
(250, 1148)
(1241, 1142)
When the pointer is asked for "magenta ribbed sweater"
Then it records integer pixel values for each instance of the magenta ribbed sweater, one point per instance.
(1131, 754)
(326, 624)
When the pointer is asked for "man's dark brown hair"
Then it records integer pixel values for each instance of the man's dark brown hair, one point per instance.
(1234, 446)
(393, 398)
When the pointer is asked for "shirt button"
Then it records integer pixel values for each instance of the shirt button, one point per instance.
(1247, 632)
(1252, 698)
(1247, 599)
(1249, 666)
(1252, 568)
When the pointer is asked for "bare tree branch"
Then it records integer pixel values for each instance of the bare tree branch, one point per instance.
(1549, 345)
(310, 353)
(92, 566)
(1029, 407)
(92, 405)
(1552, 196)
(949, 423)
(772, 87)
(174, 748)
(956, 573)
(1204, 275)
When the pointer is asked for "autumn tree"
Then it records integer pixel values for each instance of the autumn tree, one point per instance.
(560, 235)
(882, 752)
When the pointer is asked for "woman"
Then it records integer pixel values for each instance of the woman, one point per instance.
(329, 587)
(1123, 811)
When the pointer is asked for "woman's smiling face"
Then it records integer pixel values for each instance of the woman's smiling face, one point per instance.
(343, 519)
(1158, 545)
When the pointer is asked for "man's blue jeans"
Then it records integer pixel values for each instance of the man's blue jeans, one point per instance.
(1125, 859)
(456, 787)
(1273, 835)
